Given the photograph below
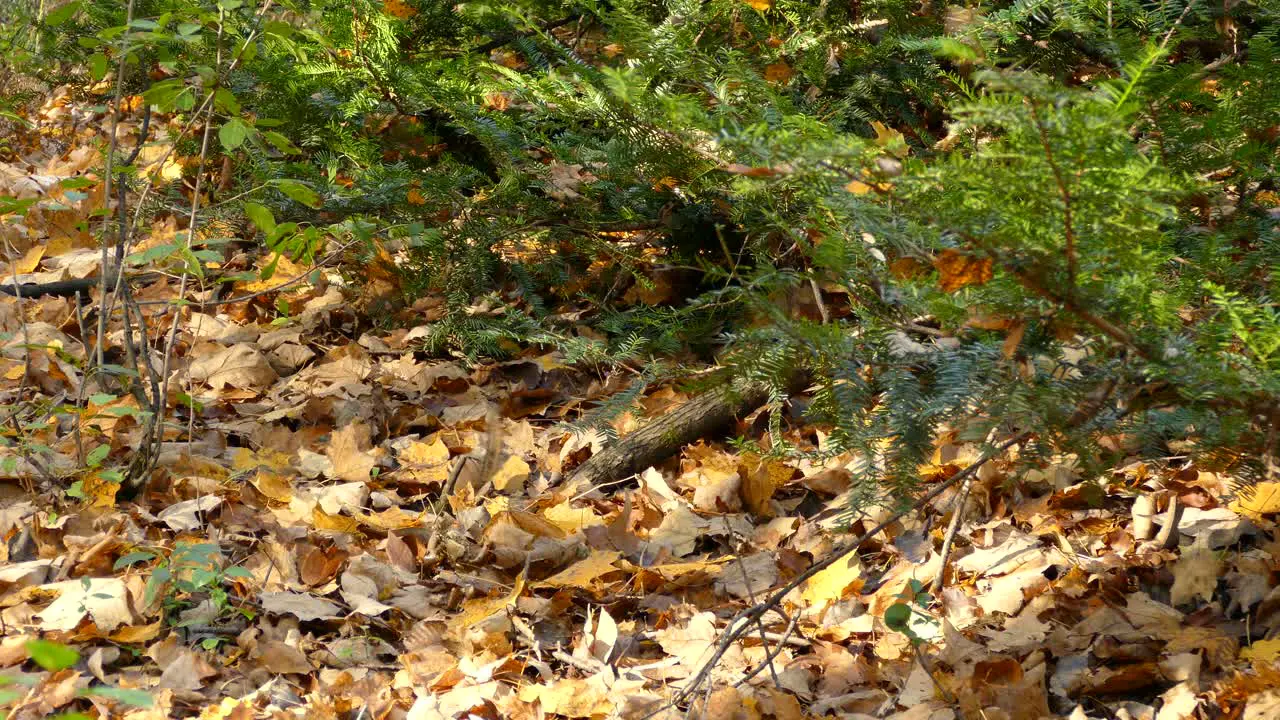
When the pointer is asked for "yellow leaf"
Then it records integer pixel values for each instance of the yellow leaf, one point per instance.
(393, 518)
(1261, 499)
(890, 139)
(273, 485)
(584, 572)
(761, 5)
(957, 269)
(426, 462)
(1263, 652)
(349, 449)
(246, 459)
(136, 633)
(533, 524)
(574, 697)
(762, 480)
(832, 583)
(857, 187)
(473, 611)
(570, 519)
(510, 478)
(30, 261)
(497, 101)
(322, 520)
(101, 492)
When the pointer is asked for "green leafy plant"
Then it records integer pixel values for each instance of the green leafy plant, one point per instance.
(53, 657)
(187, 574)
(912, 614)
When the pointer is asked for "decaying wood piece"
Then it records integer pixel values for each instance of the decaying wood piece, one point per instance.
(664, 436)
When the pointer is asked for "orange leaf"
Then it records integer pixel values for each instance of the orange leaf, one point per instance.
(907, 268)
(857, 187)
(398, 9)
(761, 5)
(778, 73)
(415, 198)
(497, 101)
(1013, 340)
(748, 171)
(956, 270)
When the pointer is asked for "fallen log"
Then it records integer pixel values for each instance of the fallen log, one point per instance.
(664, 436)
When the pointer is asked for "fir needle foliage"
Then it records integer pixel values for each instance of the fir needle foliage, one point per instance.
(1056, 216)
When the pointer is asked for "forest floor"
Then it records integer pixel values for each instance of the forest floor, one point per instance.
(339, 526)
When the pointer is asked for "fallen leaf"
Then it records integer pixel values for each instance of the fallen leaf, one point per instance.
(473, 611)
(281, 658)
(778, 73)
(1262, 651)
(751, 577)
(190, 514)
(103, 600)
(510, 477)
(426, 463)
(240, 366)
(1261, 499)
(832, 583)
(299, 605)
(1195, 576)
(399, 9)
(679, 530)
(349, 450)
(584, 572)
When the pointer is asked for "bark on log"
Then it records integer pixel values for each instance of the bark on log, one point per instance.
(666, 435)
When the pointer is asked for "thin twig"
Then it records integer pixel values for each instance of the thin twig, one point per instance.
(782, 642)
(950, 537)
(764, 640)
(112, 142)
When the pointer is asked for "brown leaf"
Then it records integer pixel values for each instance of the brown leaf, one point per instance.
(283, 659)
(320, 565)
(240, 366)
